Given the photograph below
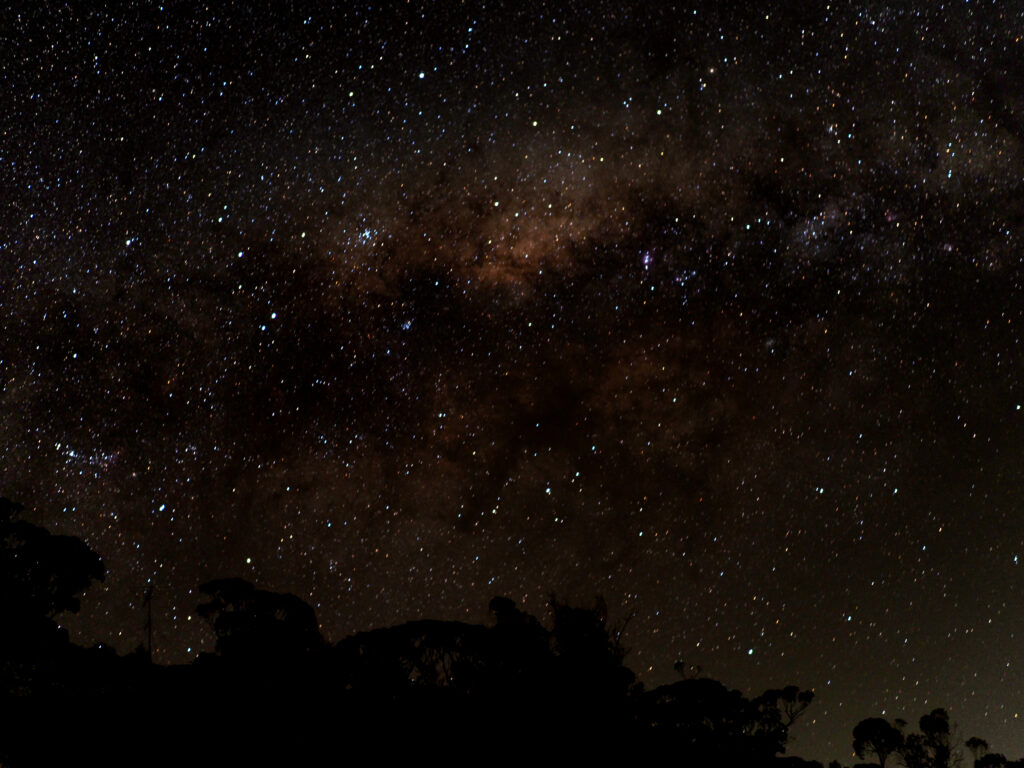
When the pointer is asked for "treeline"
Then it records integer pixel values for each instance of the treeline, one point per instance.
(275, 691)
(935, 745)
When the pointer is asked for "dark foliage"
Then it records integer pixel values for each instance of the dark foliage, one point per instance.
(255, 625)
(876, 736)
(275, 691)
(41, 576)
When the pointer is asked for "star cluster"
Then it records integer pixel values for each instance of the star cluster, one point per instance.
(713, 311)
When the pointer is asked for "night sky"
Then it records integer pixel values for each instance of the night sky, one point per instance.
(716, 312)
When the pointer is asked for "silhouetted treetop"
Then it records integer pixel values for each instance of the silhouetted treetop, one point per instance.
(978, 747)
(563, 680)
(876, 736)
(936, 745)
(791, 702)
(506, 613)
(41, 574)
(255, 624)
(715, 725)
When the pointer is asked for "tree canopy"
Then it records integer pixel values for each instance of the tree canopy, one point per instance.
(272, 669)
(41, 575)
(256, 625)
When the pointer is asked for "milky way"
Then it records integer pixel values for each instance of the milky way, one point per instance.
(714, 312)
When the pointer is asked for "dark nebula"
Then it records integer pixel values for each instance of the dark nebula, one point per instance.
(713, 310)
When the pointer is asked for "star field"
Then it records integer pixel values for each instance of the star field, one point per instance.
(713, 311)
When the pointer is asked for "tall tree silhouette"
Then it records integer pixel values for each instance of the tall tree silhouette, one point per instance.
(520, 658)
(978, 747)
(935, 741)
(935, 746)
(878, 737)
(588, 673)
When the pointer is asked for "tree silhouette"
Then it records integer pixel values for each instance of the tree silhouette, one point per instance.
(876, 736)
(588, 673)
(937, 738)
(520, 655)
(256, 625)
(41, 574)
(711, 724)
(773, 712)
(42, 675)
(273, 672)
(790, 701)
(934, 747)
(978, 747)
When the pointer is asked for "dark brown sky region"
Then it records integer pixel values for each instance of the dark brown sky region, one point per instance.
(714, 310)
